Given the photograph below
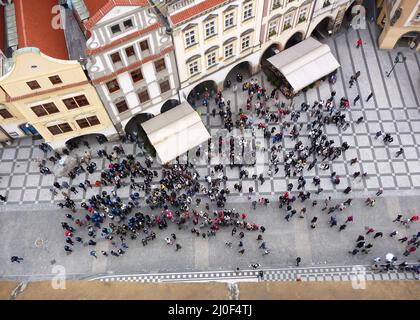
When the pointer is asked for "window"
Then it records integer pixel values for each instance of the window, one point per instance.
(45, 109)
(228, 50)
(128, 24)
(136, 75)
(160, 65)
(5, 114)
(60, 128)
(246, 40)
(121, 106)
(144, 45)
(276, 4)
(116, 29)
(189, 38)
(272, 28)
(115, 57)
(81, 100)
(248, 11)
(165, 86)
(302, 15)
(193, 66)
(143, 96)
(130, 52)
(55, 79)
(113, 86)
(210, 29)
(211, 59)
(287, 22)
(76, 102)
(88, 122)
(229, 20)
(33, 85)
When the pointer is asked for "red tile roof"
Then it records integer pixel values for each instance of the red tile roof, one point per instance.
(114, 43)
(99, 10)
(94, 6)
(34, 19)
(194, 10)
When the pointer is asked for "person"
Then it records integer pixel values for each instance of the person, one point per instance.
(354, 252)
(16, 259)
(370, 230)
(261, 274)
(379, 192)
(378, 234)
(393, 233)
(369, 96)
(313, 222)
(353, 161)
(378, 134)
(342, 227)
(398, 218)
(93, 254)
(399, 152)
(359, 43)
(298, 260)
(178, 246)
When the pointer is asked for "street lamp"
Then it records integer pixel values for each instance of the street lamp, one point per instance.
(400, 58)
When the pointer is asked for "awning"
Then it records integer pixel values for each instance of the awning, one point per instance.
(175, 132)
(305, 63)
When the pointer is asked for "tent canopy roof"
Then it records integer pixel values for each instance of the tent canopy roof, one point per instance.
(305, 63)
(176, 131)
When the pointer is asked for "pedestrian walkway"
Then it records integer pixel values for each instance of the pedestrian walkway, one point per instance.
(343, 273)
(394, 109)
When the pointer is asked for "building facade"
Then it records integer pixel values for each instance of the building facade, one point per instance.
(131, 59)
(400, 20)
(46, 93)
(211, 38)
(287, 22)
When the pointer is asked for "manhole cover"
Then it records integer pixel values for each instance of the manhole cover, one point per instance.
(39, 243)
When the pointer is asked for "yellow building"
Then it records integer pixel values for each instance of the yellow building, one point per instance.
(400, 20)
(43, 92)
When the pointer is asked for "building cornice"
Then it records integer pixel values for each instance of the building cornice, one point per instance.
(132, 66)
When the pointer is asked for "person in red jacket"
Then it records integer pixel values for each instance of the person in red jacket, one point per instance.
(359, 42)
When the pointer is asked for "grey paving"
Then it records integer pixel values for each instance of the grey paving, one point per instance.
(331, 273)
(31, 212)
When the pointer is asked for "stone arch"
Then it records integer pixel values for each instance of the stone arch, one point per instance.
(89, 138)
(196, 94)
(406, 38)
(294, 39)
(244, 68)
(168, 105)
(323, 29)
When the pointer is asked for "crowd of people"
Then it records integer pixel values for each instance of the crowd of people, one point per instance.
(176, 196)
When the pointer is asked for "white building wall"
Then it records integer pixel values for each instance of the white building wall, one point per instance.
(184, 55)
(101, 64)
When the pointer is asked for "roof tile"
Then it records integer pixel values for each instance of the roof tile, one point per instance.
(34, 21)
(194, 10)
(98, 12)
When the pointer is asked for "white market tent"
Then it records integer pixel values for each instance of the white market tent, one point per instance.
(175, 132)
(305, 63)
